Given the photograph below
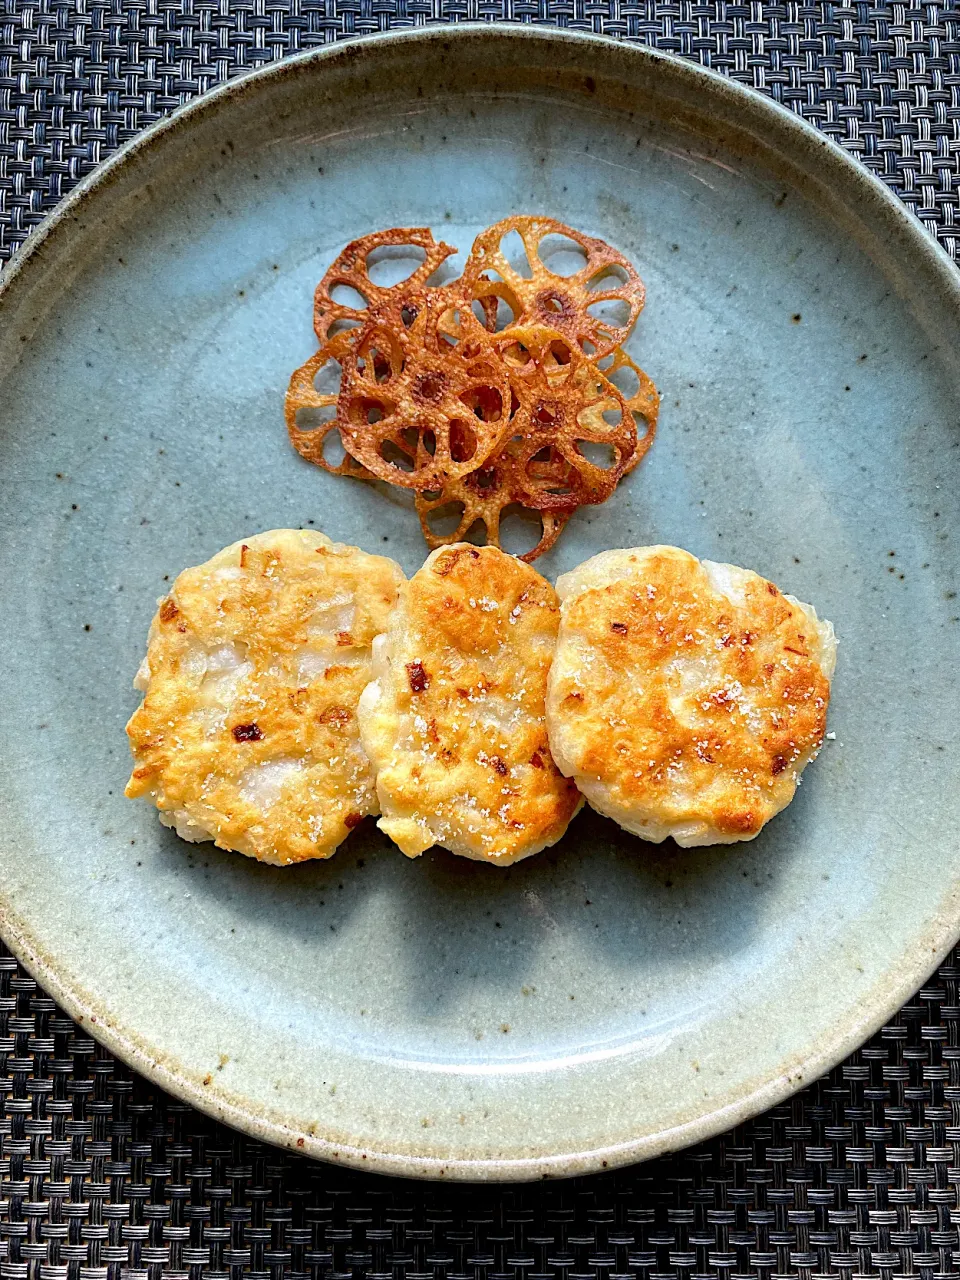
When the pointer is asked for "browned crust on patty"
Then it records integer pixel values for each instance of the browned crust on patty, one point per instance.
(680, 703)
(262, 597)
(458, 733)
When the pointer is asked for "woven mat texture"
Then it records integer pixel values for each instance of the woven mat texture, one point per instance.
(78, 77)
(100, 1175)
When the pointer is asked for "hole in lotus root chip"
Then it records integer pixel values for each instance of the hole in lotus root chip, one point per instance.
(521, 531)
(350, 299)
(494, 313)
(598, 453)
(614, 313)
(392, 264)
(371, 273)
(443, 520)
(311, 412)
(594, 296)
(422, 405)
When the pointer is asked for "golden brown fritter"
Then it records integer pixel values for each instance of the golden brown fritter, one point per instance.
(247, 734)
(454, 721)
(686, 698)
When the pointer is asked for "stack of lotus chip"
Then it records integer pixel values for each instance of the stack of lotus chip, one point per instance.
(506, 388)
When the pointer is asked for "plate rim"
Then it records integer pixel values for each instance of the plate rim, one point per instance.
(943, 930)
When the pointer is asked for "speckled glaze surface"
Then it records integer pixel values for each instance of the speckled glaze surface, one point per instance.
(607, 1000)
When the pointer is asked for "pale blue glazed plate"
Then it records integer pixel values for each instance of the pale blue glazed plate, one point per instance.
(607, 1000)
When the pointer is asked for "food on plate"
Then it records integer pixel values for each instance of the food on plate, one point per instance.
(293, 686)
(247, 734)
(421, 403)
(349, 275)
(311, 410)
(686, 697)
(505, 388)
(574, 434)
(454, 718)
(580, 302)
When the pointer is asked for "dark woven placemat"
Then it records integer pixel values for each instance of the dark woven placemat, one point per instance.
(100, 1175)
(78, 77)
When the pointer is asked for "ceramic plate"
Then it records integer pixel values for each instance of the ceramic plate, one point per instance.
(609, 999)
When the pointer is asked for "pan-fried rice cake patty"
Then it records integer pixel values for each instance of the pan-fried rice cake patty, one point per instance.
(247, 733)
(454, 720)
(686, 697)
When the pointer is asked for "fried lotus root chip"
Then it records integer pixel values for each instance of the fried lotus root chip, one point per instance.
(642, 399)
(563, 403)
(397, 304)
(311, 411)
(424, 405)
(570, 303)
(568, 405)
(483, 496)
